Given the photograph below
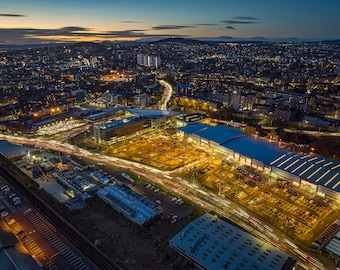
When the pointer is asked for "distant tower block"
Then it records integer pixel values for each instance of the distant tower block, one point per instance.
(147, 60)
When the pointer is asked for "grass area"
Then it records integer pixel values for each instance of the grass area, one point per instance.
(130, 245)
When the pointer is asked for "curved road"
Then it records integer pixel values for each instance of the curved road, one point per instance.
(167, 94)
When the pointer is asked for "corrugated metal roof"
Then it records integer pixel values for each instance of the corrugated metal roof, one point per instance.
(314, 168)
(152, 113)
(140, 208)
(217, 244)
(10, 150)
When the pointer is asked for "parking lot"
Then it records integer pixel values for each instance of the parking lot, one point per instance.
(159, 150)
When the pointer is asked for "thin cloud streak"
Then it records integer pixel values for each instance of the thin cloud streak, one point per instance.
(246, 18)
(130, 22)
(172, 27)
(206, 24)
(238, 22)
(11, 15)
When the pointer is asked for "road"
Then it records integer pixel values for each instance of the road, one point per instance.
(167, 94)
(191, 192)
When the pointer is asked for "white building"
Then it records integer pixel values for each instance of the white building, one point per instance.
(148, 60)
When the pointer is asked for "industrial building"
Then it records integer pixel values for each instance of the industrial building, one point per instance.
(311, 172)
(133, 206)
(103, 132)
(212, 243)
(12, 151)
(135, 121)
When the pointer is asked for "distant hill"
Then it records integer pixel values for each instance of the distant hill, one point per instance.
(187, 41)
(87, 44)
(30, 46)
(331, 42)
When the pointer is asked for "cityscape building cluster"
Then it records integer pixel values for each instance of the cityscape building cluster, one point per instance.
(194, 118)
(282, 80)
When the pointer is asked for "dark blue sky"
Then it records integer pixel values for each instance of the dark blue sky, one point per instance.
(37, 21)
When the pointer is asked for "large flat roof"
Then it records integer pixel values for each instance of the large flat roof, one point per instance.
(219, 134)
(139, 208)
(313, 168)
(10, 150)
(216, 244)
(238, 141)
(256, 147)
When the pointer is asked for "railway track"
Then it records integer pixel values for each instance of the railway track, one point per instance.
(101, 260)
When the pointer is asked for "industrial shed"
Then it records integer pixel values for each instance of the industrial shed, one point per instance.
(212, 243)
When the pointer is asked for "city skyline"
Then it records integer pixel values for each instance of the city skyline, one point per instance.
(37, 22)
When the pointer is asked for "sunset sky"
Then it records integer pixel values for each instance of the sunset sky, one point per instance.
(44, 21)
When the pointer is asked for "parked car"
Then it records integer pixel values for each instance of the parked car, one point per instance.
(4, 214)
(12, 195)
(16, 199)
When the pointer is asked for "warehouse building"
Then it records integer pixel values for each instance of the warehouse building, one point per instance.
(133, 206)
(12, 151)
(314, 173)
(212, 243)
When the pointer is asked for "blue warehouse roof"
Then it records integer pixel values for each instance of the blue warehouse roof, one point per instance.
(10, 150)
(219, 134)
(238, 141)
(257, 148)
(313, 168)
(193, 128)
